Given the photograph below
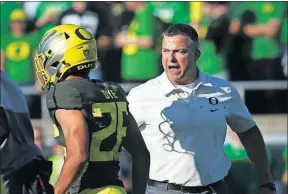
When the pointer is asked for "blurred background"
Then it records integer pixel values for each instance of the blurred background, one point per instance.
(243, 42)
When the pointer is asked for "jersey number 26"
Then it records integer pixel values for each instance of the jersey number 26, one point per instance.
(116, 110)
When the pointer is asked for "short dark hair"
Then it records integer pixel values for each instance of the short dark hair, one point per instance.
(181, 29)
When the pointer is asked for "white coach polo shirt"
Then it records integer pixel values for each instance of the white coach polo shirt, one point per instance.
(185, 135)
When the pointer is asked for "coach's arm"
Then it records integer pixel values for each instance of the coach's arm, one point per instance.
(135, 145)
(254, 145)
(241, 121)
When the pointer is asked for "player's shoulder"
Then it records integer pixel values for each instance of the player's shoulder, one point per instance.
(66, 95)
(69, 86)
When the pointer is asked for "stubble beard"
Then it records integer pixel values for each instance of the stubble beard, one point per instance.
(187, 76)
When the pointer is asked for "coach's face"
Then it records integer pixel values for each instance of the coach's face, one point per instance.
(179, 58)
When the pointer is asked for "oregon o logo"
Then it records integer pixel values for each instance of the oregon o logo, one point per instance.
(18, 51)
(83, 34)
(213, 100)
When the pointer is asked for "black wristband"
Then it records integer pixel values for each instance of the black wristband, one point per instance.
(270, 186)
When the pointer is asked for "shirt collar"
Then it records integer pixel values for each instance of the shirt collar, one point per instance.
(168, 87)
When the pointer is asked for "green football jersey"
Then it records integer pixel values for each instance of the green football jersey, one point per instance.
(141, 63)
(19, 53)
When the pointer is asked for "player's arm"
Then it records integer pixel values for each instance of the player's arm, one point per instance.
(3, 125)
(76, 139)
(135, 145)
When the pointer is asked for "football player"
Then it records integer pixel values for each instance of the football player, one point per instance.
(91, 118)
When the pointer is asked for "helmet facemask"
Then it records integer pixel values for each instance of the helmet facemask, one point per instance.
(41, 73)
(45, 75)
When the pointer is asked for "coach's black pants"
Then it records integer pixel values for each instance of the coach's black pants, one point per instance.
(33, 178)
(220, 188)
